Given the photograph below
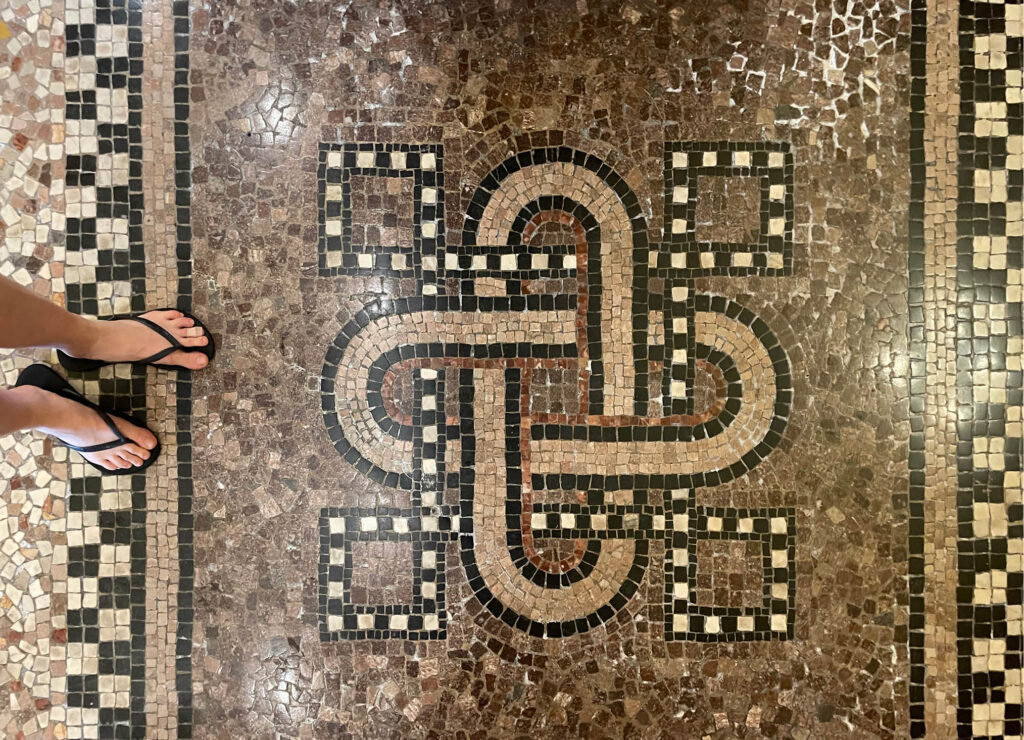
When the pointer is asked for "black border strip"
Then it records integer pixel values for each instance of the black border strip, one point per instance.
(137, 246)
(917, 351)
(183, 391)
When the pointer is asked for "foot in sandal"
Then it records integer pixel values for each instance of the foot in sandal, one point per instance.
(109, 441)
(165, 337)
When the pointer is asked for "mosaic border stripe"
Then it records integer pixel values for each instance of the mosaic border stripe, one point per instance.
(107, 277)
(917, 351)
(183, 386)
(990, 389)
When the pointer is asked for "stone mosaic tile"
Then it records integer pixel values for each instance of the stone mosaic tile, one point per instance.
(990, 615)
(366, 225)
(598, 387)
(34, 471)
(105, 276)
(84, 583)
(553, 412)
(32, 131)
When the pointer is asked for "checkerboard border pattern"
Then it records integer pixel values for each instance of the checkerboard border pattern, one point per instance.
(428, 525)
(423, 619)
(773, 528)
(991, 393)
(681, 254)
(338, 163)
(105, 276)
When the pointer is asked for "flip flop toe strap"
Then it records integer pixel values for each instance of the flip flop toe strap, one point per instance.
(175, 344)
(100, 447)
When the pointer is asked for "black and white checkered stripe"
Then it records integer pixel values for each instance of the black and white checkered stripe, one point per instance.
(105, 275)
(990, 391)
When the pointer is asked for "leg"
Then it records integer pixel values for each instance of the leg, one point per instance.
(29, 320)
(29, 407)
(18, 410)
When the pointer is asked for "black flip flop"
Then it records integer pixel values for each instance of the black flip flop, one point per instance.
(42, 376)
(83, 365)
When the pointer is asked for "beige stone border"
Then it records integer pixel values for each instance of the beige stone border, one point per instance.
(940, 140)
(159, 236)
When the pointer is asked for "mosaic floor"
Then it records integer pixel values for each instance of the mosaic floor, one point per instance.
(585, 369)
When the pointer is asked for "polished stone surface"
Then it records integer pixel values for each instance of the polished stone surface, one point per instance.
(664, 159)
(584, 369)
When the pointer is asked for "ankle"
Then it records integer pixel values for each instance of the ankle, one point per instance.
(25, 407)
(85, 338)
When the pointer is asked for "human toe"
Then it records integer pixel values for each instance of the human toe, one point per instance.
(108, 462)
(115, 462)
(188, 360)
(130, 457)
(135, 451)
(142, 438)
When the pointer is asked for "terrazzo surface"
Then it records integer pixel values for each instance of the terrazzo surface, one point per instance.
(584, 369)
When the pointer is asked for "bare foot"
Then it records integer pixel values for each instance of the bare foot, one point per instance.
(81, 426)
(127, 341)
